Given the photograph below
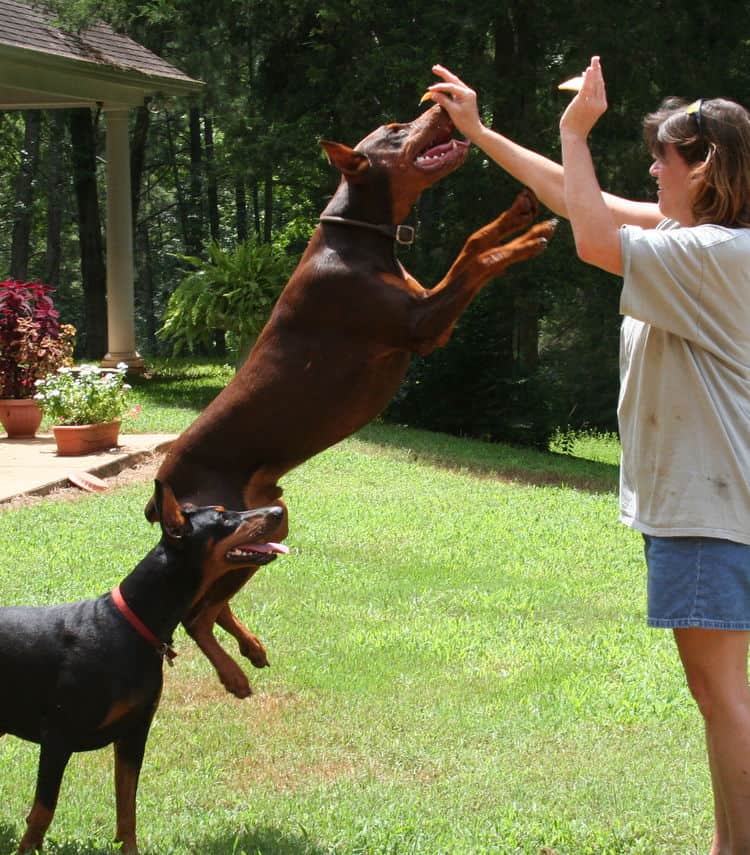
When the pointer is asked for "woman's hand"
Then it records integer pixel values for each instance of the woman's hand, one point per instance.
(458, 100)
(589, 104)
(595, 229)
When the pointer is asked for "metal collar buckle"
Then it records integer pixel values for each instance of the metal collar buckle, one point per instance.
(405, 235)
(166, 651)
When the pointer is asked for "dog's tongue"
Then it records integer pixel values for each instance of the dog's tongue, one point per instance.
(279, 548)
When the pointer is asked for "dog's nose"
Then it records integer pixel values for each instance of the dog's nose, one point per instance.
(274, 512)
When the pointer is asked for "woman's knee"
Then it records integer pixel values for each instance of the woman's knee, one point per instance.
(715, 665)
(705, 694)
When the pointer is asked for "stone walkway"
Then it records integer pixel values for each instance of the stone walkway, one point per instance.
(32, 466)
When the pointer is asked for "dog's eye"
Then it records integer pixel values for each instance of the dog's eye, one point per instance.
(396, 130)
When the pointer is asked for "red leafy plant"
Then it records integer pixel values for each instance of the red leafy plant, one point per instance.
(33, 342)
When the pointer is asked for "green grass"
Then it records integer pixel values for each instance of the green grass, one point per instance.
(460, 665)
(174, 392)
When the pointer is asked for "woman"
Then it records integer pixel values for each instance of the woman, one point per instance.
(684, 408)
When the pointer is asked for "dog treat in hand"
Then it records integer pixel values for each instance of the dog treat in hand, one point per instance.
(572, 85)
(426, 97)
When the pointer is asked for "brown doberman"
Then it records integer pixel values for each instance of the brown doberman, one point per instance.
(338, 342)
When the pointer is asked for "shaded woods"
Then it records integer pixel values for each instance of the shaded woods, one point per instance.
(242, 162)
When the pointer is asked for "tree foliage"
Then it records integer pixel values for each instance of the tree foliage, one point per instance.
(539, 348)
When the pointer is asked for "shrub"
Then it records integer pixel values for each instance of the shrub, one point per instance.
(232, 291)
(32, 341)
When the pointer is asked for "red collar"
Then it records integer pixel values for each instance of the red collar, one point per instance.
(163, 648)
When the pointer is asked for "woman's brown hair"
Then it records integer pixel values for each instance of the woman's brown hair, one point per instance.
(714, 137)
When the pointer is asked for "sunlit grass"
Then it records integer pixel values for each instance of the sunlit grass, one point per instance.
(460, 664)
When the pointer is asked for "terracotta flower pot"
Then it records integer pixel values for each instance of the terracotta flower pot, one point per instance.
(85, 439)
(20, 417)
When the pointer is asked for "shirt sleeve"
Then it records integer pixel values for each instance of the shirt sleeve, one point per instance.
(691, 282)
(663, 278)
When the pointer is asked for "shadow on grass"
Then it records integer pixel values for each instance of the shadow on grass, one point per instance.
(8, 838)
(182, 394)
(258, 841)
(264, 840)
(180, 385)
(495, 460)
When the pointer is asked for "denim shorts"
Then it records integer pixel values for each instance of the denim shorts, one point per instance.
(698, 581)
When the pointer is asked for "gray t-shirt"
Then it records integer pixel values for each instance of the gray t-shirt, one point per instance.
(684, 408)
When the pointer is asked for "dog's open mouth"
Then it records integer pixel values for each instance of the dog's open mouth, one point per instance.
(441, 154)
(256, 553)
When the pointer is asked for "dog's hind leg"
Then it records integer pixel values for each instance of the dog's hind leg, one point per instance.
(52, 762)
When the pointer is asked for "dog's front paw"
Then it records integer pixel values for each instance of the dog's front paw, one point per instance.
(526, 204)
(235, 682)
(251, 648)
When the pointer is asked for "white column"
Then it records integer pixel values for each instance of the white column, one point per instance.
(120, 300)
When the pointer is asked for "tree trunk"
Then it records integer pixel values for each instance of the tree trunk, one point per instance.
(195, 212)
(256, 207)
(24, 196)
(515, 58)
(268, 205)
(211, 188)
(55, 183)
(527, 329)
(240, 204)
(214, 223)
(146, 284)
(182, 209)
(93, 271)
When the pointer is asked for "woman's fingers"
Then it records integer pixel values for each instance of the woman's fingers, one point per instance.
(449, 76)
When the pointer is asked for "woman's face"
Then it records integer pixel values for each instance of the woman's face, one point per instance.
(672, 176)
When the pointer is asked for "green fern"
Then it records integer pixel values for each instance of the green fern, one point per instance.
(232, 290)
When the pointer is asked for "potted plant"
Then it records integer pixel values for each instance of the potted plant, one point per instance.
(86, 405)
(32, 343)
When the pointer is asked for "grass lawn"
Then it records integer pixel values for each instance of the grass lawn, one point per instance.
(460, 665)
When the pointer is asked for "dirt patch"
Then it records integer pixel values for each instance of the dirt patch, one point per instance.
(142, 470)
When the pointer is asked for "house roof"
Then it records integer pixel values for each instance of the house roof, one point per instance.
(43, 66)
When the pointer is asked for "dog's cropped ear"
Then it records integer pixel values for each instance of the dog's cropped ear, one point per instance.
(352, 164)
(174, 523)
(150, 511)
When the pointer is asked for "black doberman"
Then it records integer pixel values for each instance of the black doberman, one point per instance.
(80, 676)
(339, 340)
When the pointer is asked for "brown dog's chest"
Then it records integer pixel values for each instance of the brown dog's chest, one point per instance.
(364, 303)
